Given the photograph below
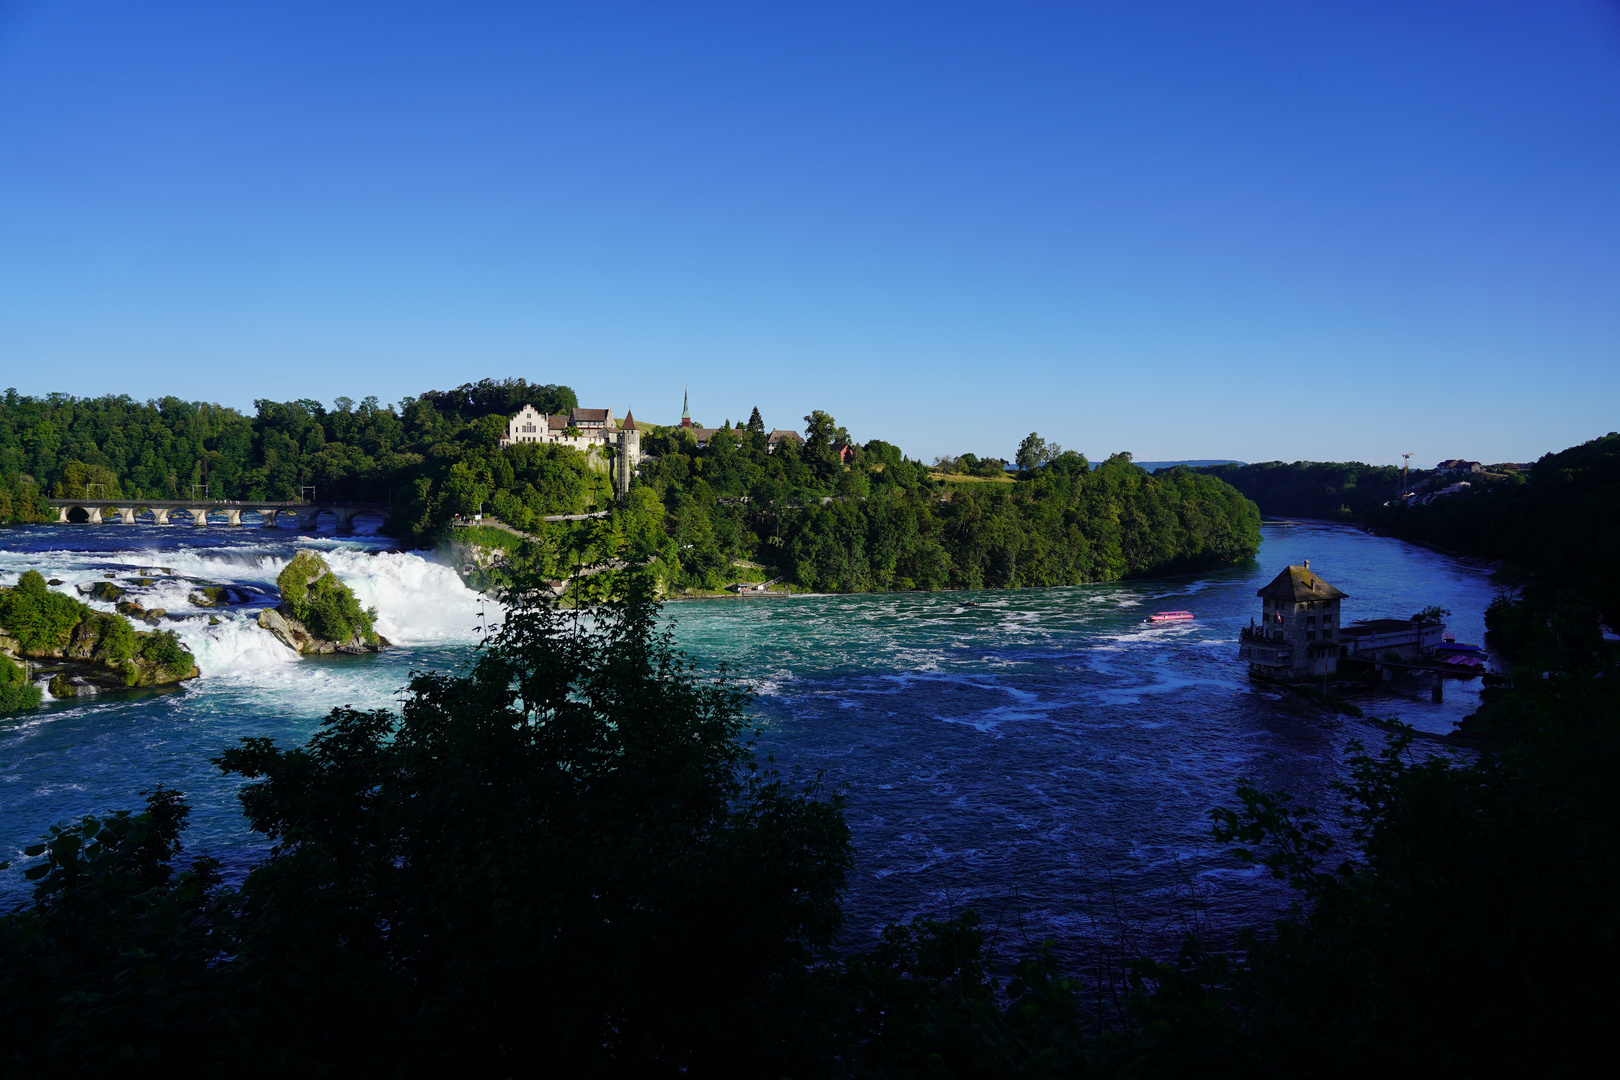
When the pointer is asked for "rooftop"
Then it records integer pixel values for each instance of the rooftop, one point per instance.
(1297, 584)
(1363, 627)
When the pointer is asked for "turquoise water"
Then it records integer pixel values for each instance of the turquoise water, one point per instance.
(1045, 755)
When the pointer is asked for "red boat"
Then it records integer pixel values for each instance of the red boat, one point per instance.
(1169, 616)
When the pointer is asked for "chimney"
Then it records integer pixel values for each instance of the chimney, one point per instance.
(1307, 564)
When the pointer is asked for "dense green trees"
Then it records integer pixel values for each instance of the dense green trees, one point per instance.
(1558, 525)
(501, 397)
(431, 458)
(882, 522)
(44, 624)
(827, 514)
(16, 692)
(1332, 490)
(59, 443)
(565, 860)
(313, 595)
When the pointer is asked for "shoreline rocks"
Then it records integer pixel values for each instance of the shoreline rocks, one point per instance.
(319, 614)
(78, 649)
(305, 642)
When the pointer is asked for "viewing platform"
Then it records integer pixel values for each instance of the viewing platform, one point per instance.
(131, 511)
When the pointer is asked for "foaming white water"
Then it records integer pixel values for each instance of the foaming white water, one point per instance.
(236, 646)
(255, 563)
(418, 600)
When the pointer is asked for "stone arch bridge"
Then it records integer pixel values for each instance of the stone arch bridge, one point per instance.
(131, 511)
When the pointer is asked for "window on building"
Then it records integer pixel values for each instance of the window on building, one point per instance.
(1310, 635)
(1310, 618)
(1326, 634)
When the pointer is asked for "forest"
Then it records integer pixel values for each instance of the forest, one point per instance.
(1553, 530)
(361, 452)
(876, 521)
(1329, 490)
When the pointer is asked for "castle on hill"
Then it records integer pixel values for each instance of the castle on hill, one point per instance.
(593, 432)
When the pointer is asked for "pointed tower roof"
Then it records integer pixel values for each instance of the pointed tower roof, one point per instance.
(629, 418)
(1298, 584)
(686, 413)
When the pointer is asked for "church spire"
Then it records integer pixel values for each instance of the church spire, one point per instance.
(686, 412)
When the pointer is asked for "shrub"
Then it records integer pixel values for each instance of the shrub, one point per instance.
(16, 692)
(117, 639)
(40, 620)
(313, 595)
(163, 648)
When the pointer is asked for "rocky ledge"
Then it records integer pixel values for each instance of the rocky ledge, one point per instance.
(80, 650)
(318, 613)
(292, 633)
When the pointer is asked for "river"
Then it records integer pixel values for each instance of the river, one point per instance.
(1045, 756)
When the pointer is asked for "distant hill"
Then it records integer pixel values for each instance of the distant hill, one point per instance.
(1191, 463)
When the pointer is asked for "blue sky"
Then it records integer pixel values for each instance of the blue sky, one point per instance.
(1291, 230)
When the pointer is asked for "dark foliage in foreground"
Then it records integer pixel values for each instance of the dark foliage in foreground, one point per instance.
(565, 860)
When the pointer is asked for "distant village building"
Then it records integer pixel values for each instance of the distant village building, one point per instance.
(775, 439)
(529, 425)
(1297, 634)
(1458, 467)
(845, 452)
(702, 434)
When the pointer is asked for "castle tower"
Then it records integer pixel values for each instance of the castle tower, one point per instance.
(627, 454)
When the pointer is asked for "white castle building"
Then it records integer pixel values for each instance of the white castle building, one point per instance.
(593, 432)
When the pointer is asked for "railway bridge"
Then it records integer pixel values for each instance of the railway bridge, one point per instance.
(208, 511)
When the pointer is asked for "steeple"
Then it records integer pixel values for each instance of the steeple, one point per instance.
(686, 412)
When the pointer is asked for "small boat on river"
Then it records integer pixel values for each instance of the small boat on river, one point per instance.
(1170, 616)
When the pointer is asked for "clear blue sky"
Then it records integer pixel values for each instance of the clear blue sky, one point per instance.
(1289, 230)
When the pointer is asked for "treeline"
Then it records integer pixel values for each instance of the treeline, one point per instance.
(1331, 490)
(431, 457)
(824, 513)
(867, 518)
(565, 860)
(1555, 529)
